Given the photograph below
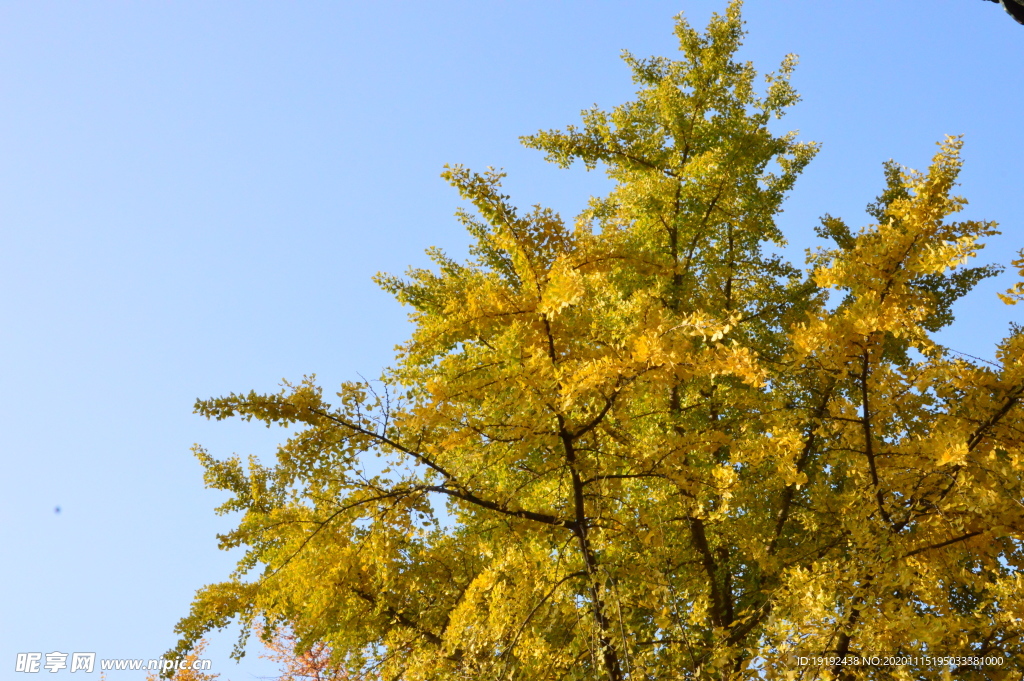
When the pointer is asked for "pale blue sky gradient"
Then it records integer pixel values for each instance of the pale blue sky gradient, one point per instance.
(194, 196)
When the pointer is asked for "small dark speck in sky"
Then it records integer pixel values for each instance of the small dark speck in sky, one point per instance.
(56, 509)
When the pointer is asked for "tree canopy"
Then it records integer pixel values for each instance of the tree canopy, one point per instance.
(644, 446)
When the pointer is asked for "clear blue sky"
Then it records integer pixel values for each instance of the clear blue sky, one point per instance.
(194, 196)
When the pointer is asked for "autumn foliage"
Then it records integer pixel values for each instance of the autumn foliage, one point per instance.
(641, 446)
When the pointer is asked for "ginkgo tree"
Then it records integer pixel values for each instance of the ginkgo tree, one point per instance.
(643, 446)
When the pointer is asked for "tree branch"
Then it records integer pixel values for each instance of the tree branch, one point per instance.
(961, 538)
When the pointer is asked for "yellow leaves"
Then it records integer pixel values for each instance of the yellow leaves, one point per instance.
(952, 451)
(1016, 292)
(726, 481)
(564, 287)
(655, 537)
(648, 348)
(899, 273)
(1011, 353)
(1013, 294)
(303, 399)
(698, 610)
(708, 328)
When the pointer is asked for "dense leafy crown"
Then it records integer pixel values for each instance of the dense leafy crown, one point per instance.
(641, 447)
